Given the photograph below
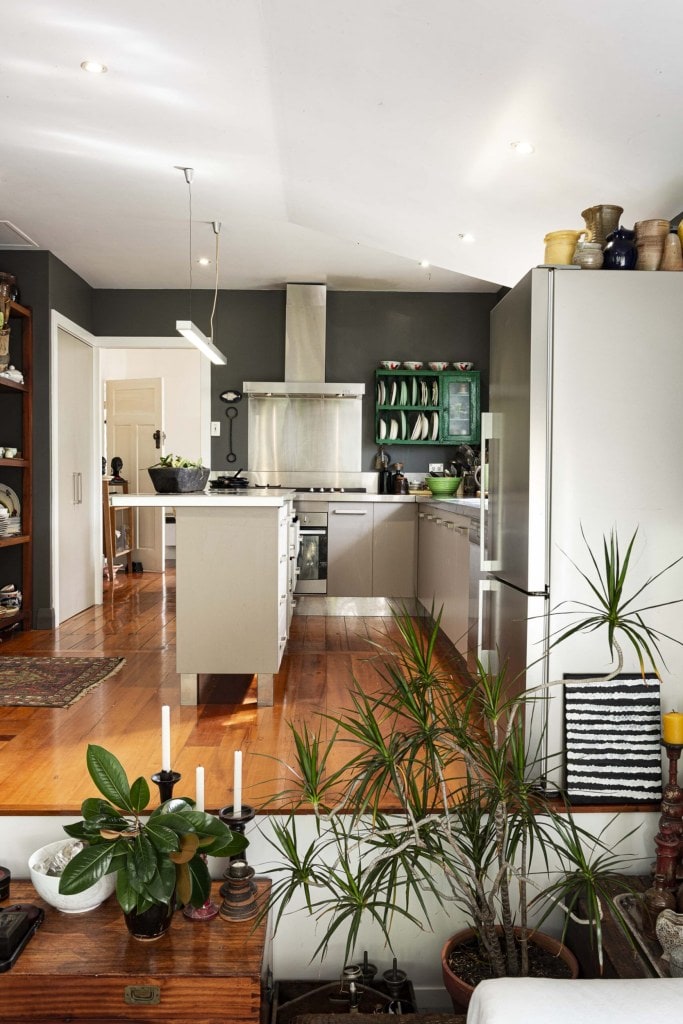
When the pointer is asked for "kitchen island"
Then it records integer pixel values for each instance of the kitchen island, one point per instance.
(234, 583)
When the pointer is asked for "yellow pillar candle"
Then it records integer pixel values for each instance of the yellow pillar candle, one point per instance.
(672, 728)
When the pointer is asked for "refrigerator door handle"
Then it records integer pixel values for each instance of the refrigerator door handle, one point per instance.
(487, 564)
(485, 654)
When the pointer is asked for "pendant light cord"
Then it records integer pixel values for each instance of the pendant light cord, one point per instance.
(188, 178)
(217, 232)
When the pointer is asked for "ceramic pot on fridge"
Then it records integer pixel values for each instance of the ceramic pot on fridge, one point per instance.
(620, 252)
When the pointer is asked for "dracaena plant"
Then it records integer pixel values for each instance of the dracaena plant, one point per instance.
(469, 824)
(155, 856)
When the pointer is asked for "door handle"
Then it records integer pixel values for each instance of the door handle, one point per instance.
(348, 512)
(159, 437)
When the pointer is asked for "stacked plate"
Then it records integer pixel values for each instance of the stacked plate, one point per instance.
(10, 512)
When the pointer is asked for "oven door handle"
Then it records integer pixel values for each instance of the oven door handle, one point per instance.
(348, 512)
(307, 531)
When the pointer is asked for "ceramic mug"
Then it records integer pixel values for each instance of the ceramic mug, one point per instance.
(2, 451)
(10, 453)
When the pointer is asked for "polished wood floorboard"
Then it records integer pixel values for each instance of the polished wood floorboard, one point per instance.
(42, 750)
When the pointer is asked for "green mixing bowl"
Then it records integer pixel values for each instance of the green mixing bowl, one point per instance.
(443, 485)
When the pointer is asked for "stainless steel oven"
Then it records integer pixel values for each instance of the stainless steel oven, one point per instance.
(312, 562)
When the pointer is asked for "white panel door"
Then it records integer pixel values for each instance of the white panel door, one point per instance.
(134, 414)
(76, 475)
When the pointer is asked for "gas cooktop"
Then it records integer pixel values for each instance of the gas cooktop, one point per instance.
(220, 486)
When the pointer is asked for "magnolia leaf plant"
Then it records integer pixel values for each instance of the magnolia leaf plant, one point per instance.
(157, 857)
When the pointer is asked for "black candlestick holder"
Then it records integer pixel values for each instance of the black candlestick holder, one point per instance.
(237, 823)
(165, 781)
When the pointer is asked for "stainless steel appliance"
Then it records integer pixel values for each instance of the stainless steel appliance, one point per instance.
(312, 561)
(583, 433)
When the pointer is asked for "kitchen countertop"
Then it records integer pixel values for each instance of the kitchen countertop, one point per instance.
(258, 496)
(261, 496)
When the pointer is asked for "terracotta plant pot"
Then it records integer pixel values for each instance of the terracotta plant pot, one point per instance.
(461, 993)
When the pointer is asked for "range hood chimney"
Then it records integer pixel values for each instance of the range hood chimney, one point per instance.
(304, 350)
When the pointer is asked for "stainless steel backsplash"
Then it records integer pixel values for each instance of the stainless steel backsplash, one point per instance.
(292, 434)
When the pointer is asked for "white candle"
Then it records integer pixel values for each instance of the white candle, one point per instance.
(237, 798)
(165, 738)
(199, 789)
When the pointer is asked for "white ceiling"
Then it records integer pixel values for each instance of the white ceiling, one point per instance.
(339, 141)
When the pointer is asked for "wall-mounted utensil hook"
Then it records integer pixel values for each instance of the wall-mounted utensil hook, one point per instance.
(231, 412)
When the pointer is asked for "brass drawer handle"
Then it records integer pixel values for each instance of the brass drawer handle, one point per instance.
(142, 995)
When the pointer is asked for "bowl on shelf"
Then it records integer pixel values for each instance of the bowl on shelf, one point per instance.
(443, 485)
(47, 886)
(437, 364)
(411, 365)
(462, 366)
(390, 364)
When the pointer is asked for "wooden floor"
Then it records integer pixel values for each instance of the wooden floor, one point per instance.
(42, 750)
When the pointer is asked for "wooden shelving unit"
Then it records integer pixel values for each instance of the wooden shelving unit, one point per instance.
(16, 417)
(119, 526)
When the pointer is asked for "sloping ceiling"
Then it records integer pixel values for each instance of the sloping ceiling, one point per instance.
(340, 141)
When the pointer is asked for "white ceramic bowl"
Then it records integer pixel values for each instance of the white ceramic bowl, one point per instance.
(389, 364)
(411, 365)
(437, 365)
(463, 366)
(47, 886)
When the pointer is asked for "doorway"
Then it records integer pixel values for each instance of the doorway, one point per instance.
(135, 434)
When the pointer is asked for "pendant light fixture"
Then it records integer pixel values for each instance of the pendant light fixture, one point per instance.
(187, 328)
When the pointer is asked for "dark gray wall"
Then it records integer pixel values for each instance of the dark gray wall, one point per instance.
(362, 329)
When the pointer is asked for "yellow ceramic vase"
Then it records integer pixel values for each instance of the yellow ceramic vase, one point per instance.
(560, 246)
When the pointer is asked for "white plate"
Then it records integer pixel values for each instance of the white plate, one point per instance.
(425, 427)
(382, 429)
(9, 499)
(404, 393)
(393, 429)
(403, 426)
(392, 399)
(435, 425)
(414, 394)
(435, 392)
(417, 429)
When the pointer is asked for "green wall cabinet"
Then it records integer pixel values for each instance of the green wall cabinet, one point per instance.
(427, 407)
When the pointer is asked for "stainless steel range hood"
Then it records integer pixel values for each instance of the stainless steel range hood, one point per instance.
(304, 424)
(304, 351)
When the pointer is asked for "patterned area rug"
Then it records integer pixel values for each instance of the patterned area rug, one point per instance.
(46, 682)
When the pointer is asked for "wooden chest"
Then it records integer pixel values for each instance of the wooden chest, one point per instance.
(86, 967)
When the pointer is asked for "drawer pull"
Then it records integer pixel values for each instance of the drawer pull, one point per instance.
(142, 995)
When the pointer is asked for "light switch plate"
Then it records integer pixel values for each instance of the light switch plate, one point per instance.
(215, 428)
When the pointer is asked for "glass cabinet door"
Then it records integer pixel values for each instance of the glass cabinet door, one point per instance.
(460, 412)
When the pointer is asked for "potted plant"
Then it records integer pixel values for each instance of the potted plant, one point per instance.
(158, 859)
(174, 474)
(470, 825)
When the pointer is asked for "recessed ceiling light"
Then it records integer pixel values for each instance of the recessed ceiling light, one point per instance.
(424, 263)
(522, 148)
(466, 237)
(94, 67)
(203, 261)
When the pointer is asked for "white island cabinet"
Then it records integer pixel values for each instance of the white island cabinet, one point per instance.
(232, 597)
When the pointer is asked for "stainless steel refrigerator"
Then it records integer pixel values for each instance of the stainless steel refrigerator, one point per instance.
(585, 430)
